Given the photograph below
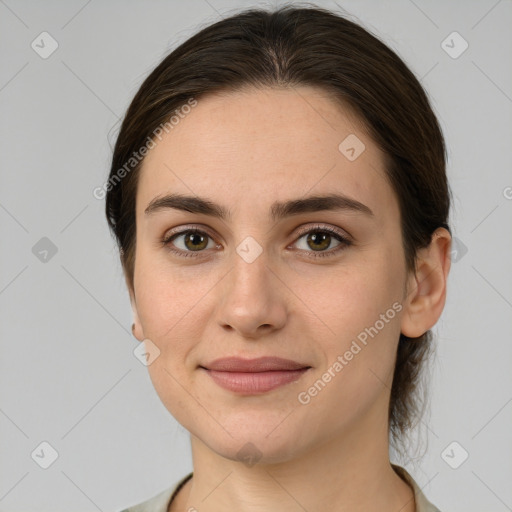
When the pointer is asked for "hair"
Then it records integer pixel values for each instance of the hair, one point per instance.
(304, 46)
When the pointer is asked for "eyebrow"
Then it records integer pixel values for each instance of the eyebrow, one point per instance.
(278, 210)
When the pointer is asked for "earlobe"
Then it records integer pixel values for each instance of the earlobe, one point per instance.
(136, 326)
(137, 331)
(426, 296)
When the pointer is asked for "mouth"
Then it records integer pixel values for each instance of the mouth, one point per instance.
(254, 376)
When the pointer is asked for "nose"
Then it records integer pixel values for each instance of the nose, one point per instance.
(252, 299)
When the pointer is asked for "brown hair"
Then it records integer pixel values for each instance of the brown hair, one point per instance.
(293, 46)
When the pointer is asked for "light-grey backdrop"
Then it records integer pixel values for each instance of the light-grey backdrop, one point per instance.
(68, 376)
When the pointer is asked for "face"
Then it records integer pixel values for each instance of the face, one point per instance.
(318, 283)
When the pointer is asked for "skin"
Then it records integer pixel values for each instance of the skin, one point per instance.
(244, 151)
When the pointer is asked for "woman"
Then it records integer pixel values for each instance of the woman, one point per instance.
(279, 197)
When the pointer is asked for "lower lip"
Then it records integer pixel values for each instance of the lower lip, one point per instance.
(255, 382)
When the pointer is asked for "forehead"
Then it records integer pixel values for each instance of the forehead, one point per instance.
(270, 144)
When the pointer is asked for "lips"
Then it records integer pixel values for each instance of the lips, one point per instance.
(254, 376)
(262, 364)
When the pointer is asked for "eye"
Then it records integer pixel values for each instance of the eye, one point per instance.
(317, 239)
(321, 238)
(189, 241)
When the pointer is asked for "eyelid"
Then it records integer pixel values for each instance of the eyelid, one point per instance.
(324, 227)
(186, 228)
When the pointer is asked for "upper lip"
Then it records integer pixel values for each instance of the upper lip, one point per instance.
(261, 364)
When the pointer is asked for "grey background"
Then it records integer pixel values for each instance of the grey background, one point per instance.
(68, 375)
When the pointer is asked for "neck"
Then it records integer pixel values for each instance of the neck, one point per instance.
(349, 472)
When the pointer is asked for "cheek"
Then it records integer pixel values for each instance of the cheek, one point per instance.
(167, 296)
(170, 312)
(358, 309)
(345, 300)
(364, 315)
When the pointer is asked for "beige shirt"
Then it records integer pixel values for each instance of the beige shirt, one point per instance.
(161, 502)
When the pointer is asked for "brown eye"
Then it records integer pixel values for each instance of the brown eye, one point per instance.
(315, 242)
(318, 241)
(195, 241)
(191, 240)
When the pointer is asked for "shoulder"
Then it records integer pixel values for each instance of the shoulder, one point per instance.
(422, 504)
(160, 502)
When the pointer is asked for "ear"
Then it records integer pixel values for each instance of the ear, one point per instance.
(426, 295)
(137, 329)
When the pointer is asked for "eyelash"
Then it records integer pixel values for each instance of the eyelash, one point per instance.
(344, 242)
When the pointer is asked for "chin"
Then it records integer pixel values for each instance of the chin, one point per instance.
(256, 437)
(254, 449)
